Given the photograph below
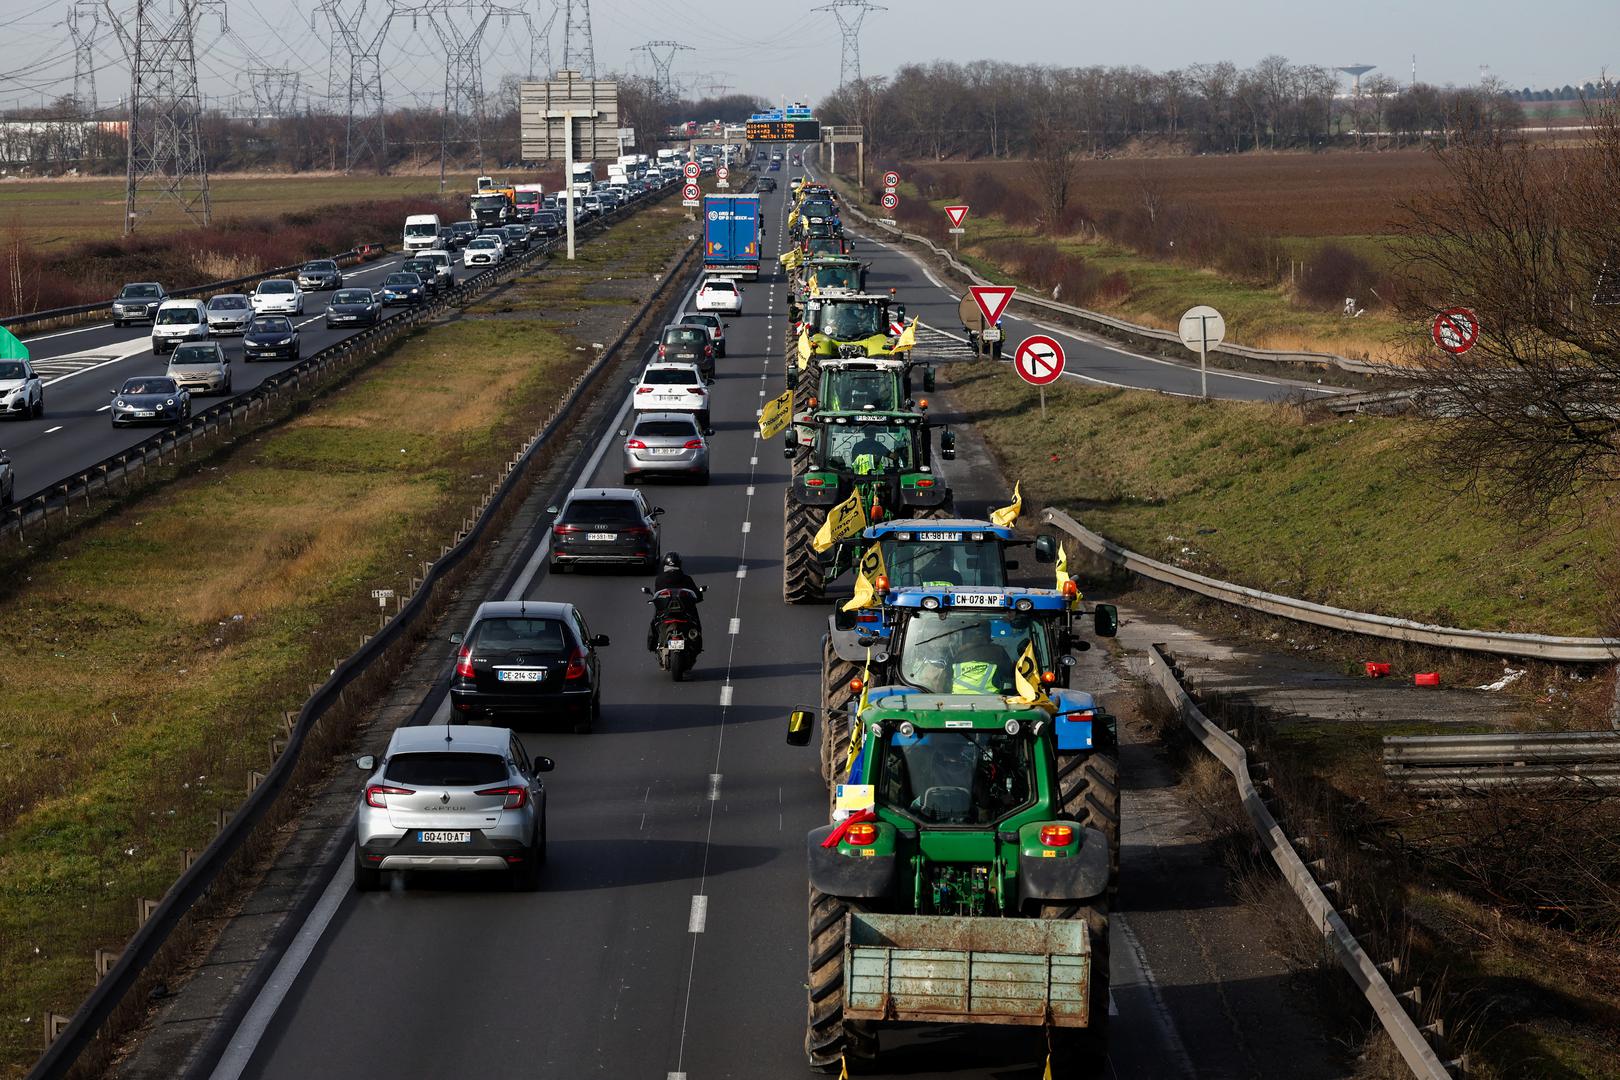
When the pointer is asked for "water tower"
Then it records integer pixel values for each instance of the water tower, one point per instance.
(1356, 71)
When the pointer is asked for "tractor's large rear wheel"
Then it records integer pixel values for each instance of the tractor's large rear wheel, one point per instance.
(1088, 790)
(1082, 1053)
(827, 1036)
(836, 701)
(802, 573)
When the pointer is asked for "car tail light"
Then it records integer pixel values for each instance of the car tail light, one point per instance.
(708, 350)
(564, 530)
(635, 444)
(464, 668)
(815, 481)
(1057, 835)
(377, 794)
(861, 834)
(643, 389)
(662, 352)
(694, 444)
(694, 389)
(636, 530)
(925, 483)
(576, 666)
(517, 796)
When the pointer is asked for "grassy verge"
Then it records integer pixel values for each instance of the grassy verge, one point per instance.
(1333, 511)
(148, 659)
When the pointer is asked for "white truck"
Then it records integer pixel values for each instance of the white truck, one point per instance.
(581, 174)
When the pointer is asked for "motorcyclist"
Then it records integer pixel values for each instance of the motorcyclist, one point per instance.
(673, 578)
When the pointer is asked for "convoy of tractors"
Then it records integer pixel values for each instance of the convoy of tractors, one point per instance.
(972, 852)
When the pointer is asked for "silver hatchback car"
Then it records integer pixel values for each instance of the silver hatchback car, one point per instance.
(666, 444)
(452, 797)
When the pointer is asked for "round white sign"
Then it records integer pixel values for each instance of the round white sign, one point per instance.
(1202, 328)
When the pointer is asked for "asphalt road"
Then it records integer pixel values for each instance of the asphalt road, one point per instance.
(668, 939)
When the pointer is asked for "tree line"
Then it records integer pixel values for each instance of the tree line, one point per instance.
(990, 109)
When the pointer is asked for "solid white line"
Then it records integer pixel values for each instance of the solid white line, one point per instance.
(65, 333)
(736, 626)
(699, 915)
(54, 430)
(246, 1039)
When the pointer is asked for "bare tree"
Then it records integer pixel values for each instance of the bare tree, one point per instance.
(1523, 237)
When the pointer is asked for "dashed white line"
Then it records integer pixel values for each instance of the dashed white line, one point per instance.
(753, 461)
(725, 696)
(748, 526)
(54, 430)
(742, 571)
(736, 627)
(750, 490)
(714, 787)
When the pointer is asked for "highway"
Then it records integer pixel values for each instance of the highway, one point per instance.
(668, 939)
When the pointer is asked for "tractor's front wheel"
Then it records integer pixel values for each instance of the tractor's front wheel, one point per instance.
(828, 1037)
(802, 572)
(836, 701)
(1082, 1053)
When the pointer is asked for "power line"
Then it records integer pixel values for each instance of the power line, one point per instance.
(850, 14)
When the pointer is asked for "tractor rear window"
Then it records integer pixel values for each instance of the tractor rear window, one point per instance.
(439, 769)
(956, 777)
(936, 563)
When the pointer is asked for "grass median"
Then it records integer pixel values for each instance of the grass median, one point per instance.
(148, 659)
(1338, 511)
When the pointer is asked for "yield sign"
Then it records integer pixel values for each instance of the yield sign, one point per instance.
(957, 214)
(992, 300)
(1039, 360)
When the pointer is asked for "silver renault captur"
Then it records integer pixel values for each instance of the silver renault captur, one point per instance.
(452, 797)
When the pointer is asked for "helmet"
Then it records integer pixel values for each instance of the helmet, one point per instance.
(672, 561)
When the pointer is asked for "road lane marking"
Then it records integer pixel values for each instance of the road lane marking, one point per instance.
(54, 430)
(753, 461)
(104, 408)
(725, 696)
(699, 915)
(742, 572)
(750, 491)
(736, 626)
(748, 526)
(714, 787)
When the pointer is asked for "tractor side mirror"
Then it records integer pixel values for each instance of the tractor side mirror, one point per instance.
(900, 312)
(947, 446)
(1106, 620)
(801, 723)
(845, 620)
(1046, 548)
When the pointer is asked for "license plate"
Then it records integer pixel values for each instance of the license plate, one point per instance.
(519, 676)
(980, 599)
(939, 537)
(443, 836)
(660, 452)
(601, 536)
(668, 397)
(146, 412)
(677, 644)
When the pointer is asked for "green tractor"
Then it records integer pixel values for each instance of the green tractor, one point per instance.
(829, 273)
(848, 385)
(849, 325)
(886, 458)
(957, 884)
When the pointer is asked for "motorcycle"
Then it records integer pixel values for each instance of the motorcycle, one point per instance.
(676, 636)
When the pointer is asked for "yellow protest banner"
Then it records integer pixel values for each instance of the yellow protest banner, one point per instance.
(843, 521)
(776, 416)
(866, 574)
(1007, 515)
(908, 337)
(1027, 677)
(1062, 566)
(805, 348)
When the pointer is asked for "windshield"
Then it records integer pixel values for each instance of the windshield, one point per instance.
(278, 286)
(867, 448)
(440, 769)
(425, 228)
(669, 376)
(140, 292)
(520, 636)
(419, 268)
(149, 386)
(352, 296)
(228, 303)
(838, 277)
(824, 245)
(955, 777)
(968, 652)
(320, 266)
(851, 391)
(177, 316)
(489, 202)
(850, 322)
(528, 198)
(270, 326)
(483, 242)
(194, 354)
(403, 280)
(944, 562)
(12, 369)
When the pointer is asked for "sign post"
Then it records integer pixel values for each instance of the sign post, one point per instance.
(1202, 328)
(1039, 361)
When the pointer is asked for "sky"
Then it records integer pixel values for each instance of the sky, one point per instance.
(790, 51)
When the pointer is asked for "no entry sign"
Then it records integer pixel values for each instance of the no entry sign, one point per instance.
(1039, 360)
(1455, 330)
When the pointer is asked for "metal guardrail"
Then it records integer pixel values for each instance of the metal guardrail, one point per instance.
(60, 495)
(1402, 1030)
(1459, 764)
(1121, 326)
(51, 314)
(1497, 643)
(62, 1055)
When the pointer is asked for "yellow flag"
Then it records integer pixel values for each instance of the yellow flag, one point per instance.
(815, 286)
(855, 721)
(866, 574)
(805, 348)
(776, 416)
(908, 337)
(843, 521)
(793, 217)
(1062, 565)
(1027, 677)
(1007, 515)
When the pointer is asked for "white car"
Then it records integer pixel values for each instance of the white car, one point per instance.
(673, 388)
(719, 294)
(21, 392)
(482, 251)
(278, 296)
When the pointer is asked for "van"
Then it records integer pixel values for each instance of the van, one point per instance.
(421, 232)
(178, 321)
(443, 267)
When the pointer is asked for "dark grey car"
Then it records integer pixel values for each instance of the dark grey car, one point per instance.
(149, 399)
(528, 658)
(320, 274)
(611, 526)
(353, 307)
(687, 344)
(137, 302)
